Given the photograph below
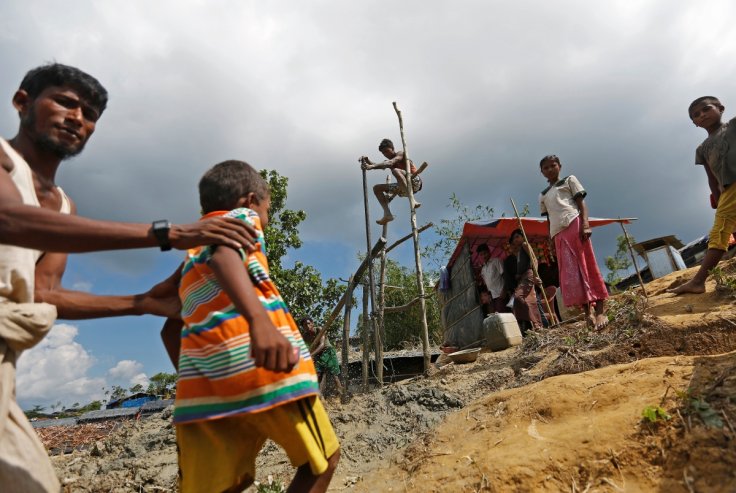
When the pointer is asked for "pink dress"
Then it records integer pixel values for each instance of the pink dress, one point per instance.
(580, 279)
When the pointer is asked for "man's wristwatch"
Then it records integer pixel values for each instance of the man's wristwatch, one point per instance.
(161, 230)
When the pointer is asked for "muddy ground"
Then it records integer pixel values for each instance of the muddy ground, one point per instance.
(562, 412)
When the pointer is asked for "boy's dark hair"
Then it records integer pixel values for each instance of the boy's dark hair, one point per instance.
(225, 183)
(304, 320)
(549, 157)
(482, 248)
(58, 75)
(514, 233)
(385, 143)
(703, 99)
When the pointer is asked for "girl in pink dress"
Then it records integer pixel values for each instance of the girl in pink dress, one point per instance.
(580, 279)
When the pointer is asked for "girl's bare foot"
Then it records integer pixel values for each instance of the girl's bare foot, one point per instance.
(601, 320)
(688, 287)
(589, 317)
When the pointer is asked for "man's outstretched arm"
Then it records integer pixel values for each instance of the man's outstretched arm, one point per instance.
(367, 164)
(161, 300)
(49, 231)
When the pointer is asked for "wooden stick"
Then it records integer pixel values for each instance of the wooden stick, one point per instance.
(349, 291)
(401, 308)
(533, 261)
(633, 259)
(404, 238)
(371, 284)
(380, 320)
(366, 339)
(345, 345)
(415, 236)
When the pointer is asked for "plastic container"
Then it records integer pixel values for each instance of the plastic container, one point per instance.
(501, 331)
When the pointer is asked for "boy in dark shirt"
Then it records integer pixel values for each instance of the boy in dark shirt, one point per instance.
(717, 155)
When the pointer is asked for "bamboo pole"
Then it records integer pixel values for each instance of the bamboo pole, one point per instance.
(415, 237)
(533, 259)
(404, 238)
(633, 258)
(401, 308)
(346, 345)
(380, 319)
(366, 339)
(371, 284)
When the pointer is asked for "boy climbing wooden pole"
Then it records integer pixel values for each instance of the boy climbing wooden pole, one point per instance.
(396, 162)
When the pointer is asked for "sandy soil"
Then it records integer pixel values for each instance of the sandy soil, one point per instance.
(562, 412)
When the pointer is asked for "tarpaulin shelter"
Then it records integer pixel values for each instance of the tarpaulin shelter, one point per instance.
(462, 317)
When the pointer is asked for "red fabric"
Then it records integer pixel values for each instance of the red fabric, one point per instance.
(495, 233)
(580, 280)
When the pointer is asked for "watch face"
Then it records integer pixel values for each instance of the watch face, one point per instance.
(161, 224)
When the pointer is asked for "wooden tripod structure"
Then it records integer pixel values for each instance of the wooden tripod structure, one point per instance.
(373, 314)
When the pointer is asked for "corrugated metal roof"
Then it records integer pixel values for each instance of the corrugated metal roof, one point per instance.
(153, 406)
(46, 423)
(124, 412)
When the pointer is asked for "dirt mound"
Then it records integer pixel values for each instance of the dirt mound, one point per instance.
(562, 412)
(586, 432)
(140, 456)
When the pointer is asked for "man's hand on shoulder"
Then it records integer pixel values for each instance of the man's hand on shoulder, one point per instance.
(227, 231)
(269, 348)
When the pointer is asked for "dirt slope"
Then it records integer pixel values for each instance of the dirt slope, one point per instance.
(562, 412)
(585, 432)
(576, 432)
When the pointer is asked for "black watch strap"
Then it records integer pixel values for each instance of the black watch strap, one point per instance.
(161, 230)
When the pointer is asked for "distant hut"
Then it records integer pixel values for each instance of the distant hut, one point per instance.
(135, 400)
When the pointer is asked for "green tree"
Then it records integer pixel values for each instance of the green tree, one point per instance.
(92, 406)
(619, 261)
(162, 383)
(36, 412)
(301, 286)
(135, 389)
(403, 329)
(117, 392)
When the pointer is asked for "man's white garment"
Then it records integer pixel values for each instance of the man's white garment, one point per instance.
(24, 465)
(492, 274)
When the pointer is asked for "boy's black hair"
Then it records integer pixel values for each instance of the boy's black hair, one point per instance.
(482, 248)
(59, 75)
(384, 144)
(515, 232)
(549, 157)
(225, 183)
(304, 320)
(701, 99)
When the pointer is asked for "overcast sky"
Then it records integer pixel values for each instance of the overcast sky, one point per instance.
(486, 89)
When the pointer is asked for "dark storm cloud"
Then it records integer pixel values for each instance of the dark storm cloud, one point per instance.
(486, 89)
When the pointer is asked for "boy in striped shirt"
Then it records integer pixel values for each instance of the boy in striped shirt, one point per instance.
(245, 374)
